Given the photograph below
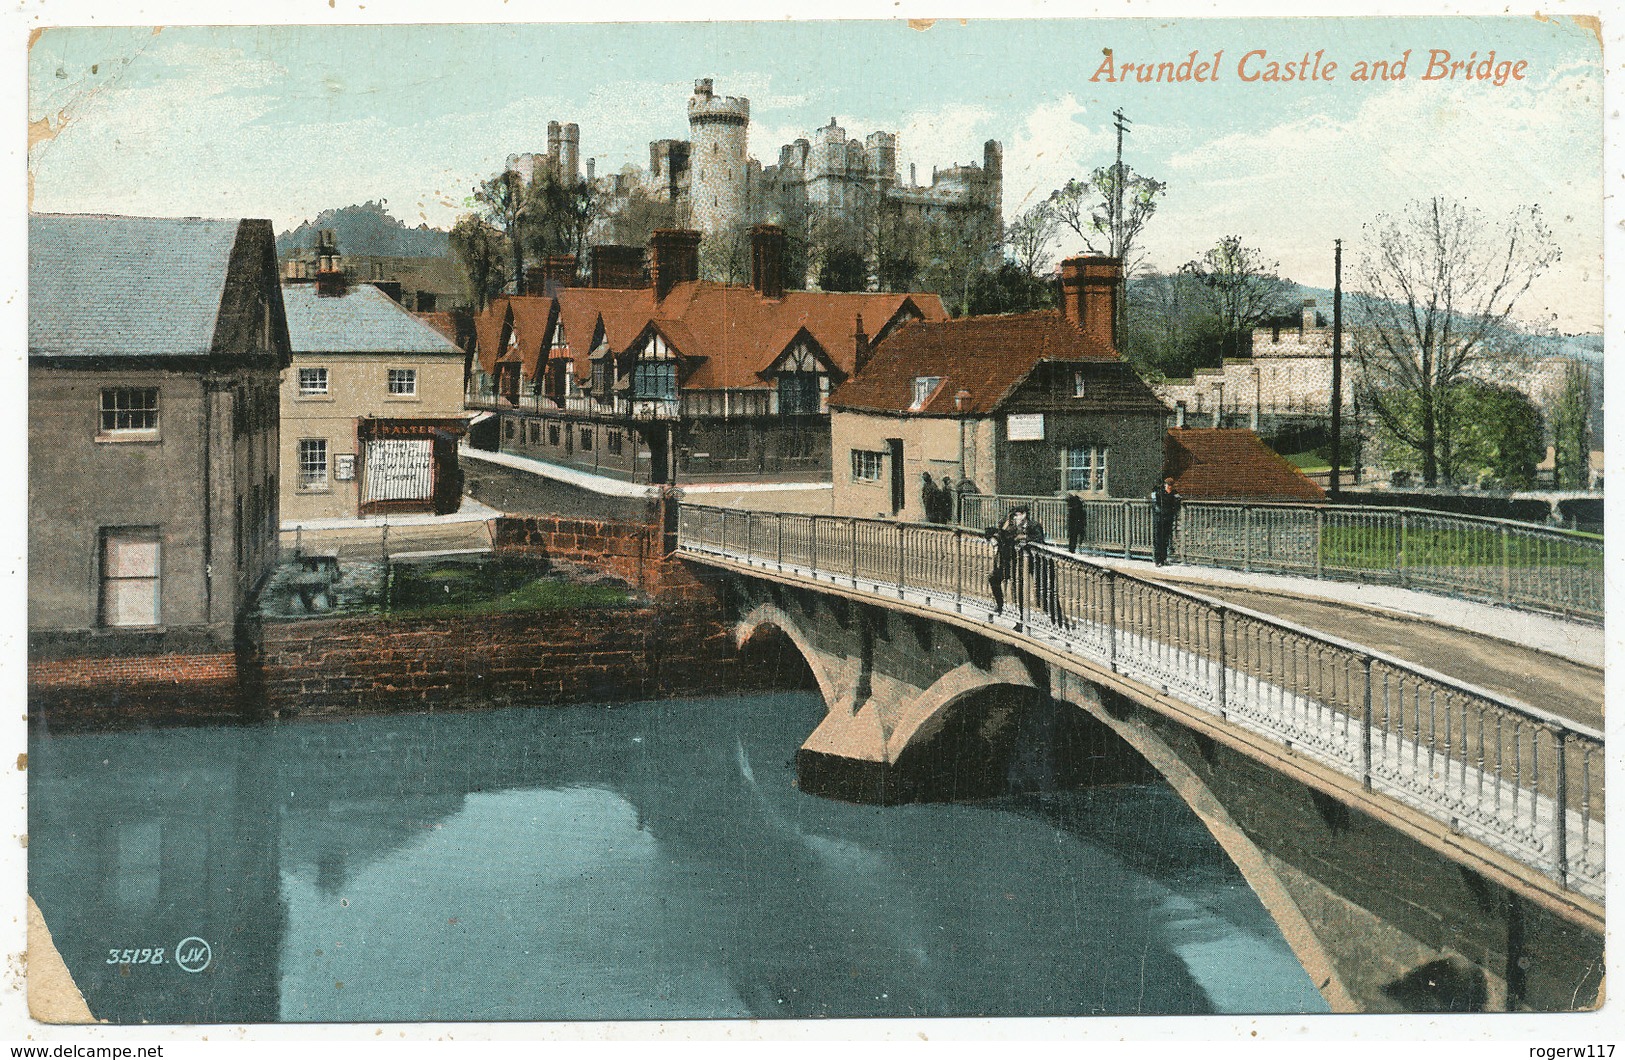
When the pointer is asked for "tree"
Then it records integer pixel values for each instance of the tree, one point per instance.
(637, 217)
(557, 215)
(1028, 238)
(1169, 328)
(959, 247)
(1108, 211)
(1571, 427)
(1242, 288)
(1494, 433)
(500, 203)
(1438, 283)
(479, 250)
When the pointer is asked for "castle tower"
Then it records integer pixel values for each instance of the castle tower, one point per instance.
(719, 129)
(570, 154)
(881, 147)
(554, 136)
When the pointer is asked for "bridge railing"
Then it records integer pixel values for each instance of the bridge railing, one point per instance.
(1517, 779)
(1506, 562)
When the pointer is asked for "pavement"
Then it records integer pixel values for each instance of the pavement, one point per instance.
(1548, 663)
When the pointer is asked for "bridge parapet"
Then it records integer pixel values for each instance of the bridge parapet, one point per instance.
(1503, 778)
(1514, 564)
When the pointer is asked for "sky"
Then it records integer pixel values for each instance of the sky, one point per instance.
(285, 121)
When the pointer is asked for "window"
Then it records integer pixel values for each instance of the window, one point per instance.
(600, 380)
(312, 382)
(586, 439)
(1084, 469)
(1077, 385)
(866, 465)
(613, 442)
(655, 380)
(924, 387)
(403, 382)
(128, 409)
(798, 394)
(130, 577)
(508, 429)
(553, 434)
(313, 463)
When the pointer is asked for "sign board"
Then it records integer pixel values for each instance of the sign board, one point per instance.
(1025, 427)
(344, 467)
(400, 470)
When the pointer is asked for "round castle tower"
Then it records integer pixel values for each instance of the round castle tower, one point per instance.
(718, 129)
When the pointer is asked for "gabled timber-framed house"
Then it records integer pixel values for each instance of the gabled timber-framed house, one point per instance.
(679, 380)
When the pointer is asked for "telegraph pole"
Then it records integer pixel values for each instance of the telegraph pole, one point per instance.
(1118, 227)
(1337, 373)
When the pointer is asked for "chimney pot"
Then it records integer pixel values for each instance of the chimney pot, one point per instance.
(1089, 296)
(674, 257)
(618, 266)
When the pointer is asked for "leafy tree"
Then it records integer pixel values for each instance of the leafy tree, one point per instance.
(501, 202)
(1242, 288)
(1009, 289)
(1494, 434)
(1028, 238)
(637, 216)
(557, 215)
(1438, 283)
(1571, 427)
(959, 247)
(1169, 328)
(479, 250)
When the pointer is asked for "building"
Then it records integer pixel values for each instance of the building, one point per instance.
(1232, 464)
(154, 351)
(1030, 404)
(680, 380)
(372, 406)
(714, 186)
(1285, 381)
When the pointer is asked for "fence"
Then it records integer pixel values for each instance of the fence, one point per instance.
(1516, 779)
(1505, 562)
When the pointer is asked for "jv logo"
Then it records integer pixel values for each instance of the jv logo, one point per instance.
(193, 954)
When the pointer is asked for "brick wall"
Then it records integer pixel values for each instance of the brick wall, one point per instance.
(540, 658)
(626, 550)
(159, 670)
(133, 690)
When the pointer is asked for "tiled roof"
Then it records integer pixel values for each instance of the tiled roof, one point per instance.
(104, 286)
(1211, 464)
(361, 320)
(734, 331)
(444, 323)
(988, 356)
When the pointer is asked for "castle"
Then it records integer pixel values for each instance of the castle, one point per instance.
(712, 184)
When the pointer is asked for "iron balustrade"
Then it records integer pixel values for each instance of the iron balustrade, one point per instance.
(1514, 564)
(1516, 779)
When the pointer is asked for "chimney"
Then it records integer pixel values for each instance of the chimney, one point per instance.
(330, 280)
(1311, 319)
(1089, 296)
(860, 347)
(911, 181)
(767, 260)
(592, 170)
(558, 270)
(962, 400)
(618, 266)
(674, 257)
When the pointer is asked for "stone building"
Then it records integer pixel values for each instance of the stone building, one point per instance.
(678, 380)
(372, 406)
(1031, 404)
(154, 350)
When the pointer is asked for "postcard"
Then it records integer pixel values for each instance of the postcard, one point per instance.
(817, 519)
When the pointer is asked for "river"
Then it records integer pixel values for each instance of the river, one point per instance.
(632, 861)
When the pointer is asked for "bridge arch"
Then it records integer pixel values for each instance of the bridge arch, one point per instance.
(767, 618)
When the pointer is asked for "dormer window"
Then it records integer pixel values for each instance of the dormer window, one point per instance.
(924, 387)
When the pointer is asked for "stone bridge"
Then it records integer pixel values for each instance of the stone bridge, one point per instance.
(1422, 844)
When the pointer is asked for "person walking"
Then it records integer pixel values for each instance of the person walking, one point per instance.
(1041, 567)
(1076, 522)
(1164, 511)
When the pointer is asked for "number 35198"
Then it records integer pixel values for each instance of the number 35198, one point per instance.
(147, 956)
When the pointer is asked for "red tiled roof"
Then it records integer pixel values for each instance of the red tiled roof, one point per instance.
(988, 356)
(734, 330)
(1213, 464)
(444, 323)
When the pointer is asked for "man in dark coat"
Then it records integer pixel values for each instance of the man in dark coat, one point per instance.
(1164, 511)
(1076, 521)
(1004, 538)
(930, 498)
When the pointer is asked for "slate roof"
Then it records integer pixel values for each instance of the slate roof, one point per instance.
(361, 320)
(107, 286)
(734, 332)
(1218, 464)
(988, 356)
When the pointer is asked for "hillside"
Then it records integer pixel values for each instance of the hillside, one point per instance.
(367, 229)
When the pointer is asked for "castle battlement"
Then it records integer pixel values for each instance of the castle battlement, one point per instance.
(704, 108)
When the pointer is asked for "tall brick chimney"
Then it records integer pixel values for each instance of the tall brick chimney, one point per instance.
(767, 260)
(1089, 295)
(674, 257)
(614, 265)
(860, 347)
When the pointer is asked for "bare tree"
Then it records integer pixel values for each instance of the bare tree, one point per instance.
(558, 214)
(1242, 287)
(1090, 209)
(1438, 281)
(1027, 239)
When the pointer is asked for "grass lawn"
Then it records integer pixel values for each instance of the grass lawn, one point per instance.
(419, 590)
(1377, 548)
(1307, 461)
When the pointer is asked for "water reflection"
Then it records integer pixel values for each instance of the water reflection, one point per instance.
(633, 861)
